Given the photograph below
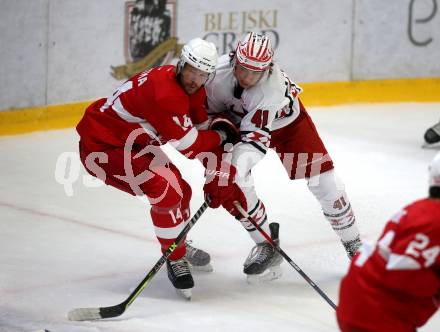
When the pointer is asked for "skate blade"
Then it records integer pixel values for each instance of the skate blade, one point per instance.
(272, 273)
(201, 268)
(432, 146)
(184, 293)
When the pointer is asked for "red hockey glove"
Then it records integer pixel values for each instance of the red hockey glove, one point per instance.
(229, 129)
(221, 188)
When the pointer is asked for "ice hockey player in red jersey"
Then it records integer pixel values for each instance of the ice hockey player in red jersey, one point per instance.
(263, 102)
(121, 137)
(394, 285)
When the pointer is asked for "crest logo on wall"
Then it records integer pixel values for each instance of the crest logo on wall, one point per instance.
(149, 36)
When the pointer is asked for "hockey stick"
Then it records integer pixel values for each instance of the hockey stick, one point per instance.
(117, 310)
(286, 257)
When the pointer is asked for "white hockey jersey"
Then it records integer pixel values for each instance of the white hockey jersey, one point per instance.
(269, 105)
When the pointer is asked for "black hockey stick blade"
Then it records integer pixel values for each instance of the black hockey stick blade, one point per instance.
(80, 314)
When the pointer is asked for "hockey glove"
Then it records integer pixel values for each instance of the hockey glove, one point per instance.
(229, 132)
(221, 188)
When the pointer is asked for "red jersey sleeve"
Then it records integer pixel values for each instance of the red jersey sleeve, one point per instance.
(176, 126)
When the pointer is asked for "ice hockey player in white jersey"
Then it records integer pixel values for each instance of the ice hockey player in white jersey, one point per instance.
(263, 102)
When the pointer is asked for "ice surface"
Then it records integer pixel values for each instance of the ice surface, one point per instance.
(59, 252)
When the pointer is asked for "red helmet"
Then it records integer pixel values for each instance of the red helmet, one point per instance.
(254, 51)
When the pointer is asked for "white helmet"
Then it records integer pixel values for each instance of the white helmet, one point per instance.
(254, 51)
(200, 54)
(434, 171)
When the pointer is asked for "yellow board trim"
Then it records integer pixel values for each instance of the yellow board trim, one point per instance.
(374, 91)
(26, 120)
(315, 94)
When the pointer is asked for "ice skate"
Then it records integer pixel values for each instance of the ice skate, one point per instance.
(351, 247)
(180, 276)
(198, 259)
(432, 135)
(263, 262)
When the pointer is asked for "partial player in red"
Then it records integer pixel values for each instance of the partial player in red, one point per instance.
(121, 138)
(394, 285)
(264, 103)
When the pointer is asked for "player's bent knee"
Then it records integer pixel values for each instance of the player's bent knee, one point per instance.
(326, 186)
(165, 189)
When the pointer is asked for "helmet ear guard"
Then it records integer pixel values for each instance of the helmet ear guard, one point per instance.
(200, 54)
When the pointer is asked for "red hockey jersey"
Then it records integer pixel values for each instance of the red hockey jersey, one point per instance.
(395, 284)
(154, 101)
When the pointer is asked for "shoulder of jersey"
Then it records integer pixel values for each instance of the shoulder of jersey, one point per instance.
(166, 86)
(165, 75)
(425, 203)
(222, 71)
(270, 91)
(424, 210)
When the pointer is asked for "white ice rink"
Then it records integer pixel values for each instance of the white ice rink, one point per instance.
(58, 252)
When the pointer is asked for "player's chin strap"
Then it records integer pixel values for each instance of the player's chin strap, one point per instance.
(282, 253)
(119, 309)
